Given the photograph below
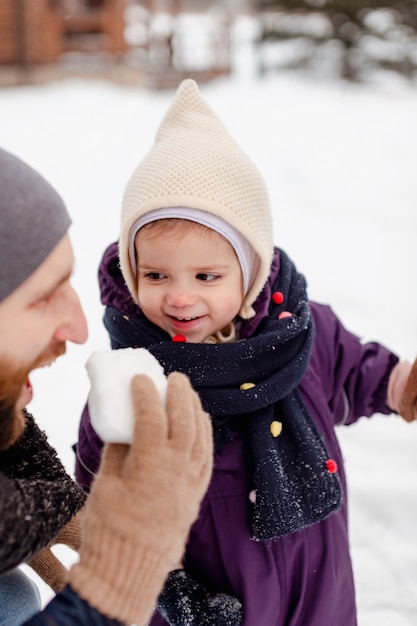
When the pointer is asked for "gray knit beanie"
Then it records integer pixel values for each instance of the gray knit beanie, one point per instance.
(33, 219)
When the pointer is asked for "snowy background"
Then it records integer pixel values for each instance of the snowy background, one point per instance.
(340, 162)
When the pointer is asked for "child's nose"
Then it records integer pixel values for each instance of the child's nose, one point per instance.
(180, 298)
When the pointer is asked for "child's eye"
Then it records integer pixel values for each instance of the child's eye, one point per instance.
(154, 275)
(207, 277)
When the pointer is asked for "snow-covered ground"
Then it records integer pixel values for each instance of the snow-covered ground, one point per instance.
(340, 163)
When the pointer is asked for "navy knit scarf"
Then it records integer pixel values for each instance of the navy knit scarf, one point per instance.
(288, 473)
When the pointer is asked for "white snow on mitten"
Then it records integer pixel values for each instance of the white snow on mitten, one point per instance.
(109, 401)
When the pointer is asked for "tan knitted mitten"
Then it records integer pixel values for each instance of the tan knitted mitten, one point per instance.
(143, 501)
(47, 565)
(408, 404)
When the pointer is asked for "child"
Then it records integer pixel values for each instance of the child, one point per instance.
(201, 286)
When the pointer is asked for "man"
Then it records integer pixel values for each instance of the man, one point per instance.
(145, 496)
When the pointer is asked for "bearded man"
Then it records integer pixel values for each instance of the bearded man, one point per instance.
(157, 481)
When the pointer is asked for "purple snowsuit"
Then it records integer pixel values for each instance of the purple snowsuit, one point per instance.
(304, 578)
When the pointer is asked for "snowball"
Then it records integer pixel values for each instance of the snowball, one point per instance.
(109, 401)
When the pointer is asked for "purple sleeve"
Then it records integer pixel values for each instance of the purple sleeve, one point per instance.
(354, 375)
(88, 452)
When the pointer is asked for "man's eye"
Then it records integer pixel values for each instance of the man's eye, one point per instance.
(41, 303)
(207, 277)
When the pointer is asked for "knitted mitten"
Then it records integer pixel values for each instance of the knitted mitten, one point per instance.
(47, 565)
(184, 602)
(408, 402)
(143, 501)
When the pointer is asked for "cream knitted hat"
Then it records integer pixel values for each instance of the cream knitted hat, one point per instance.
(195, 163)
(248, 259)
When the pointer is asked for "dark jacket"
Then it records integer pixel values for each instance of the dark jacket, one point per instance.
(37, 499)
(37, 496)
(304, 577)
(68, 609)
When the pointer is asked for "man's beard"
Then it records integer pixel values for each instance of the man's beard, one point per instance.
(12, 378)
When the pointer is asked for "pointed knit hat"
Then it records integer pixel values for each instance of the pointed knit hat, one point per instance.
(196, 164)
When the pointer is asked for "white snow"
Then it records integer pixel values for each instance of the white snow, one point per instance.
(109, 400)
(340, 162)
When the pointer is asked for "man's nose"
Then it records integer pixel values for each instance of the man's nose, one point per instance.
(74, 325)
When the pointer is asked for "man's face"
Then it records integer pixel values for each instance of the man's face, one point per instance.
(36, 320)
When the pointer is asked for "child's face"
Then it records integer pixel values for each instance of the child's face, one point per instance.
(189, 283)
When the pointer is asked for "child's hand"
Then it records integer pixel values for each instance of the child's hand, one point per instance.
(408, 403)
